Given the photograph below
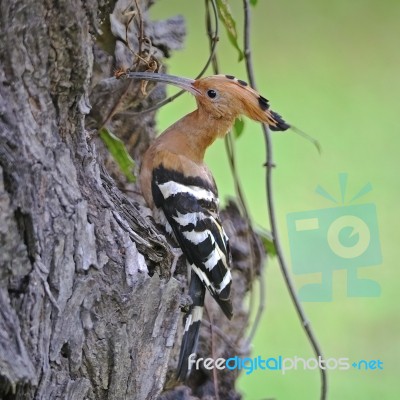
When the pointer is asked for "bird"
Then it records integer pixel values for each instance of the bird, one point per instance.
(181, 191)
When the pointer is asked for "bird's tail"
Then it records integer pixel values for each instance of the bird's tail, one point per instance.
(193, 318)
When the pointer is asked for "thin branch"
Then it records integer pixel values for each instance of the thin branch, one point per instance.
(214, 40)
(261, 305)
(230, 151)
(212, 36)
(221, 334)
(271, 210)
(140, 26)
(200, 74)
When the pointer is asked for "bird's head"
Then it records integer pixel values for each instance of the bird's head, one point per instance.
(222, 96)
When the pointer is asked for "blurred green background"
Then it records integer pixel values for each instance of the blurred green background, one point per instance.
(331, 69)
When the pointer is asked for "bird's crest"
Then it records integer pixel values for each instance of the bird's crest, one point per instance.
(243, 98)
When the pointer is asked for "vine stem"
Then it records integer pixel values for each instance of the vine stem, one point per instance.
(271, 211)
(230, 151)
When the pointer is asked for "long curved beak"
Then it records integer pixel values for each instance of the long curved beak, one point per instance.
(183, 83)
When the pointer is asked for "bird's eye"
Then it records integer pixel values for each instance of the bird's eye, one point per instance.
(212, 94)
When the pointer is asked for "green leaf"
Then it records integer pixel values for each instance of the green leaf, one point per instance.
(226, 17)
(117, 149)
(238, 127)
(267, 241)
(253, 2)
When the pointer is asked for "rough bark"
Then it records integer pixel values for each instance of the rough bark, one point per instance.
(88, 309)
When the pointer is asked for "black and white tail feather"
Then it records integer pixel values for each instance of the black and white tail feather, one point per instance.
(197, 292)
(190, 207)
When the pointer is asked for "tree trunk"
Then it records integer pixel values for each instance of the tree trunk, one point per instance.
(88, 309)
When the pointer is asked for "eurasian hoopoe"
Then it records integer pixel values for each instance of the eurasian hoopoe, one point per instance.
(181, 190)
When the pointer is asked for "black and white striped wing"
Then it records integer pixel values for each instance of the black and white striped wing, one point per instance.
(190, 206)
